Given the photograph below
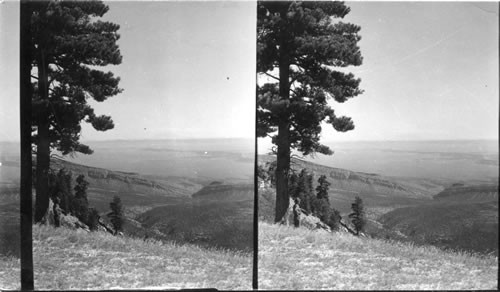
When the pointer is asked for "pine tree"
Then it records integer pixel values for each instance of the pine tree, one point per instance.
(322, 188)
(65, 193)
(116, 214)
(293, 184)
(309, 194)
(93, 219)
(262, 173)
(299, 48)
(67, 46)
(80, 201)
(358, 215)
(304, 191)
(60, 189)
(333, 219)
(322, 207)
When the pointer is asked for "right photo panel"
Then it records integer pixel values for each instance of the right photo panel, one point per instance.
(377, 140)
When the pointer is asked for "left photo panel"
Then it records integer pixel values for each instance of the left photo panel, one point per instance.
(142, 144)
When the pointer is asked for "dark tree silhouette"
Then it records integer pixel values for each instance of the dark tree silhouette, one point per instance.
(116, 214)
(322, 208)
(67, 45)
(93, 219)
(60, 189)
(306, 192)
(322, 188)
(358, 215)
(299, 47)
(80, 201)
(293, 185)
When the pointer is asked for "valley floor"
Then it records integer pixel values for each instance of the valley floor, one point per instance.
(68, 259)
(301, 259)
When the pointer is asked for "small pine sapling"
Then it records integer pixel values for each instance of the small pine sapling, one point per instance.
(116, 214)
(358, 215)
(93, 219)
(80, 202)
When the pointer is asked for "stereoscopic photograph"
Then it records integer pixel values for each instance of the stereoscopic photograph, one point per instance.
(249, 145)
(377, 131)
(142, 138)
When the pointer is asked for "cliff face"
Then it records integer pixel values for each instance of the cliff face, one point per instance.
(365, 182)
(226, 191)
(359, 183)
(100, 178)
(472, 193)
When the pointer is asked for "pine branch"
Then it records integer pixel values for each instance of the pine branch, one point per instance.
(272, 76)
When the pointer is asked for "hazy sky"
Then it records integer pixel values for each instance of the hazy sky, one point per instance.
(188, 71)
(430, 71)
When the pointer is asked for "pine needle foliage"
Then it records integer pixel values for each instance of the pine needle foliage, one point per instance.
(300, 48)
(68, 45)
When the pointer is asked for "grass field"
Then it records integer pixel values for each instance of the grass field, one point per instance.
(292, 258)
(68, 259)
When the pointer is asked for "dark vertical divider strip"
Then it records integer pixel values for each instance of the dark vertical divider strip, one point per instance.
(255, 214)
(255, 277)
(25, 125)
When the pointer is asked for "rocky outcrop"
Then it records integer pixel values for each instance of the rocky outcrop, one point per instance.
(55, 217)
(307, 221)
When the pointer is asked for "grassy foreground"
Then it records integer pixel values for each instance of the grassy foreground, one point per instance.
(292, 258)
(69, 259)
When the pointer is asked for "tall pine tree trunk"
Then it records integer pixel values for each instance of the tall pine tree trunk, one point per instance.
(283, 139)
(43, 143)
(282, 168)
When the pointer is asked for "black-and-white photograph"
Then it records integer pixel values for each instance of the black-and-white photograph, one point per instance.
(378, 145)
(143, 144)
(239, 145)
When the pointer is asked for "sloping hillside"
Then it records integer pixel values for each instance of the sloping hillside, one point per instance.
(67, 259)
(165, 208)
(459, 217)
(218, 215)
(375, 190)
(297, 258)
(469, 226)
